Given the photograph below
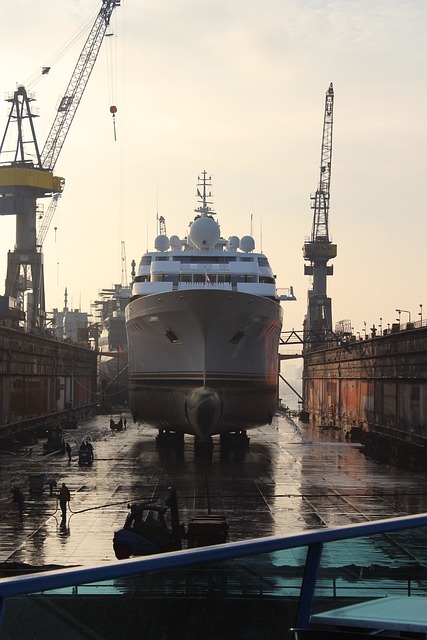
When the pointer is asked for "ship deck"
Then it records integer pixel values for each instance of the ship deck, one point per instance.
(291, 478)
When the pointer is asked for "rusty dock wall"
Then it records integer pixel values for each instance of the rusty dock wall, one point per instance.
(374, 391)
(43, 381)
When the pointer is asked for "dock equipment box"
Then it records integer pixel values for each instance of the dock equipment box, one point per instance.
(206, 530)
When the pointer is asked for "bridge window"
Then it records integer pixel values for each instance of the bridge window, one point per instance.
(161, 277)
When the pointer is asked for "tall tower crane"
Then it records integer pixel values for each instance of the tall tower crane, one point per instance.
(26, 174)
(319, 249)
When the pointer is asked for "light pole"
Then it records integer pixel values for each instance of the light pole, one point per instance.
(421, 315)
(364, 327)
(399, 311)
(381, 326)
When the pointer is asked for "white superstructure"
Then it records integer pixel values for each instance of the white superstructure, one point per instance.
(203, 329)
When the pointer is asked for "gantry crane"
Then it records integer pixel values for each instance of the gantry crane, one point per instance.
(26, 174)
(319, 249)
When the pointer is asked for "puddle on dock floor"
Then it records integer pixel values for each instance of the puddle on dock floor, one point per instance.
(291, 478)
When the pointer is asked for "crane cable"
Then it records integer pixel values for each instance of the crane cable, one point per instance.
(111, 49)
(36, 76)
(122, 92)
(112, 43)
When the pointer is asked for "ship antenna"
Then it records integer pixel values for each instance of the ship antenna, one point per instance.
(204, 195)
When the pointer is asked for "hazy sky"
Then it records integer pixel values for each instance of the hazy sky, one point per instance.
(236, 87)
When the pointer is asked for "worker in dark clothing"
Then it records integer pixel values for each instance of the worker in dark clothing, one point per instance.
(64, 497)
(18, 497)
(68, 450)
(89, 447)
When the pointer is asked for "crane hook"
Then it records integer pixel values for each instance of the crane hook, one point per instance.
(113, 111)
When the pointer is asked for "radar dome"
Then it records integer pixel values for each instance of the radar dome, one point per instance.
(175, 242)
(161, 243)
(204, 233)
(233, 243)
(247, 244)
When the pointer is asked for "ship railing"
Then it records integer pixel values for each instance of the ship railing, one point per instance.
(289, 577)
(221, 286)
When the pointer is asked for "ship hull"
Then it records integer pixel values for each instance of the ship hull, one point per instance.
(203, 361)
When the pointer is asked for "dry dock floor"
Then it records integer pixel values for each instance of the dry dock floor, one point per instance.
(291, 478)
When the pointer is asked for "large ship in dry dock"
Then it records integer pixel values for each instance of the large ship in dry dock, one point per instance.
(113, 378)
(203, 329)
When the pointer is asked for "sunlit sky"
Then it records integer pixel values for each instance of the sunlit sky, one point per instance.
(235, 87)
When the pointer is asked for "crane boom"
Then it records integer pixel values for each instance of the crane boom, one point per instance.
(73, 94)
(47, 219)
(320, 200)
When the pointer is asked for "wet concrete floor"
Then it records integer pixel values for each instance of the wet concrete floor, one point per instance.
(291, 478)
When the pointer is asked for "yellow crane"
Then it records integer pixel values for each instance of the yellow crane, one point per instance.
(26, 173)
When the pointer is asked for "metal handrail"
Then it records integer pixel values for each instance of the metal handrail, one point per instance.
(313, 539)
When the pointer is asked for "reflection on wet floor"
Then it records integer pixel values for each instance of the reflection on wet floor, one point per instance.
(291, 478)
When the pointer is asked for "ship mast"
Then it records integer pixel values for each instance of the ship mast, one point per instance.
(204, 195)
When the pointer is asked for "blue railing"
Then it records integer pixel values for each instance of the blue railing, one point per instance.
(272, 566)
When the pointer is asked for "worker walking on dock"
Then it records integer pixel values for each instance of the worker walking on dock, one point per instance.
(68, 450)
(64, 497)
